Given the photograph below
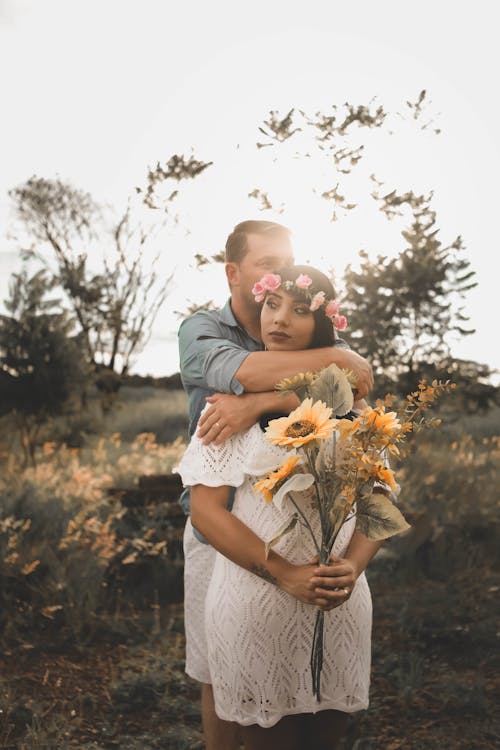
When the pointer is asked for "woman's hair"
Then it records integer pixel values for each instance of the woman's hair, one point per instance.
(324, 332)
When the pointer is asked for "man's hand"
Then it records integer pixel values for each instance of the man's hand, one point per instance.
(227, 415)
(346, 359)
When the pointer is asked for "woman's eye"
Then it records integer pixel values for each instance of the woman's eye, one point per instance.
(270, 303)
(302, 310)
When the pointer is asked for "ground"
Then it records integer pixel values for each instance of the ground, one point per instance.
(435, 680)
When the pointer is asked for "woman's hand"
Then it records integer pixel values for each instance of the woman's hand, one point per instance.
(324, 586)
(297, 581)
(333, 583)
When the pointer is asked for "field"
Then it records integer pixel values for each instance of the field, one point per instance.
(91, 593)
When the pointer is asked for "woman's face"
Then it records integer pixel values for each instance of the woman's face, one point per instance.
(286, 324)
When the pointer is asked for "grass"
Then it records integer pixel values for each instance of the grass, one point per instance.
(92, 653)
(149, 409)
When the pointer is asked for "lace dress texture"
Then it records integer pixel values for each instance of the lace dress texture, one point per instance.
(254, 644)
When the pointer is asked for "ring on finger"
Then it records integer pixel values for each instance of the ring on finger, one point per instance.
(346, 590)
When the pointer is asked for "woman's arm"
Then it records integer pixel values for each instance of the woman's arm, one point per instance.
(239, 544)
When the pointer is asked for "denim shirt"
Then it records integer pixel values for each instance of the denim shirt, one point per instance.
(212, 347)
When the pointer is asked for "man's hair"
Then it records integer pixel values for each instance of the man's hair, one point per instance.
(236, 243)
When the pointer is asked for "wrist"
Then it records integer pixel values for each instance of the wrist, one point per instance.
(338, 355)
(357, 568)
(282, 571)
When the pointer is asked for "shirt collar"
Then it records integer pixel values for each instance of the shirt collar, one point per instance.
(227, 315)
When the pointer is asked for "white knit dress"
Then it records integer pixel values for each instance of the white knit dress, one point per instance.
(258, 638)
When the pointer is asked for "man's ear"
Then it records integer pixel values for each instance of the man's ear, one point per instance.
(232, 273)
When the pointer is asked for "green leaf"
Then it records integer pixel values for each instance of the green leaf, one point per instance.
(282, 532)
(333, 388)
(378, 518)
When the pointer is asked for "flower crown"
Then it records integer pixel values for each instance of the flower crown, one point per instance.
(272, 281)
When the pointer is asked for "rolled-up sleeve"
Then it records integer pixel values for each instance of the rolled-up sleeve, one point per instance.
(342, 343)
(207, 359)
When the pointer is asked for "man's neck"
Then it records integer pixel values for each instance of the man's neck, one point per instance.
(248, 319)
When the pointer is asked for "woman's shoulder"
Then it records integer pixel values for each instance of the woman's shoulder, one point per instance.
(246, 453)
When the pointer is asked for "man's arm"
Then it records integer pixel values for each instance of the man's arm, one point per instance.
(207, 358)
(210, 360)
(230, 414)
(260, 371)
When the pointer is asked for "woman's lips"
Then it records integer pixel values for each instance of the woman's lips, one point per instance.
(279, 335)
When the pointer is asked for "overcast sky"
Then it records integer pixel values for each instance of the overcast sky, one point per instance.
(96, 91)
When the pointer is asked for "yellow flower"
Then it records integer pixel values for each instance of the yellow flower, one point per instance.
(271, 484)
(346, 427)
(301, 380)
(381, 473)
(309, 421)
(349, 494)
(385, 422)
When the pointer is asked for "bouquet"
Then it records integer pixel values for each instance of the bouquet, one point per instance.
(344, 459)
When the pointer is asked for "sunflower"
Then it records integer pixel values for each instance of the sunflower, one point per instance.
(309, 421)
(273, 481)
(296, 382)
(381, 421)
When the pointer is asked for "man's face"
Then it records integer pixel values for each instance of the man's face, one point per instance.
(264, 255)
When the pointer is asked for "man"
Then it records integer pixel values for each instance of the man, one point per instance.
(222, 362)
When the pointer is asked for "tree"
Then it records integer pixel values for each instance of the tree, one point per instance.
(114, 308)
(403, 310)
(42, 370)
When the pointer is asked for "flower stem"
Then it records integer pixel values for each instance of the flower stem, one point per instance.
(317, 654)
(306, 522)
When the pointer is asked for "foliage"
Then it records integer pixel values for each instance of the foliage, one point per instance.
(68, 546)
(149, 409)
(460, 479)
(114, 309)
(177, 168)
(42, 371)
(403, 310)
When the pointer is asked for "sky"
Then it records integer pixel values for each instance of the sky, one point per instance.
(96, 91)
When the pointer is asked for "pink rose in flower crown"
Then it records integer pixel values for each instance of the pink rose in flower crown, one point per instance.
(303, 281)
(332, 309)
(258, 291)
(268, 283)
(317, 301)
(271, 282)
(340, 322)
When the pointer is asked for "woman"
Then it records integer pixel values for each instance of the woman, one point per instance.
(260, 612)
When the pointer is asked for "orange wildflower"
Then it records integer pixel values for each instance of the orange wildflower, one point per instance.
(385, 422)
(270, 485)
